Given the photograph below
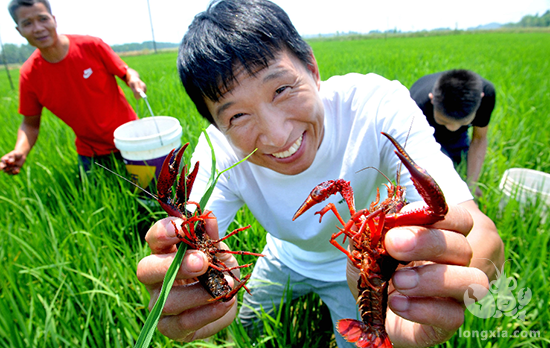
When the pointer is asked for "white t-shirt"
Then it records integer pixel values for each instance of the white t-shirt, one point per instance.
(357, 108)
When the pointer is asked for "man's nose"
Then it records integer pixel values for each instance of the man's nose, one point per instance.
(37, 26)
(274, 127)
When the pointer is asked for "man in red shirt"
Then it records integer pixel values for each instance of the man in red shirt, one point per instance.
(73, 76)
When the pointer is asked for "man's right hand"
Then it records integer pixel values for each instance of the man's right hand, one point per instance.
(12, 162)
(26, 138)
(187, 315)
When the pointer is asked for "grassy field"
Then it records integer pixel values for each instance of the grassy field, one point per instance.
(70, 244)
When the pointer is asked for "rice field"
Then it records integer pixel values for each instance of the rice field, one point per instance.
(70, 244)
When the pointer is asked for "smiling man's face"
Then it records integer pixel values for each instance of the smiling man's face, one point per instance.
(278, 110)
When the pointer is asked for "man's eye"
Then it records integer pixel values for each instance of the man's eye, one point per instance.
(280, 89)
(236, 116)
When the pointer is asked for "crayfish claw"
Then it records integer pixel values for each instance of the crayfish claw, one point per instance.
(323, 191)
(168, 174)
(309, 202)
(426, 186)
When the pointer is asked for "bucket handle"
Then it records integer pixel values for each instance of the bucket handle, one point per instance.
(144, 97)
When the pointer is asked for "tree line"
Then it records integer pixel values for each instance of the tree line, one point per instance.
(18, 54)
(15, 54)
(530, 21)
(146, 45)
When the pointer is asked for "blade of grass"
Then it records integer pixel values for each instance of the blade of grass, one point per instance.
(212, 182)
(152, 320)
(151, 323)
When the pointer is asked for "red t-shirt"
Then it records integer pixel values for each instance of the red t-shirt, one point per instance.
(81, 90)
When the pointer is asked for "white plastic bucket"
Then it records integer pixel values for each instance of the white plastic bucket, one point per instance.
(527, 186)
(144, 148)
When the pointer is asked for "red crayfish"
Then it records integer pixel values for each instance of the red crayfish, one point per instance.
(192, 231)
(366, 230)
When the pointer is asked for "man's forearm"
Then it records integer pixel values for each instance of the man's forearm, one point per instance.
(27, 134)
(476, 156)
(131, 75)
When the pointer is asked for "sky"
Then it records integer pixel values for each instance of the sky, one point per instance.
(125, 21)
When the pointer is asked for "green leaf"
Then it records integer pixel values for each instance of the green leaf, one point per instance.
(152, 320)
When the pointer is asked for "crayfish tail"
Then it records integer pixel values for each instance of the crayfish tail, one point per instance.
(363, 336)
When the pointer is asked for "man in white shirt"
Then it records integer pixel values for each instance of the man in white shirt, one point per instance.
(252, 76)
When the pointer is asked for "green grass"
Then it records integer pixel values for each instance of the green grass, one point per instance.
(69, 245)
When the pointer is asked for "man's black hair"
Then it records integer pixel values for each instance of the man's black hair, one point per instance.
(231, 34)
(457, 93)
(14, 5)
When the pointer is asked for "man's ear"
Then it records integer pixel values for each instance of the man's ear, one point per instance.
(313, 67)
(431, 96)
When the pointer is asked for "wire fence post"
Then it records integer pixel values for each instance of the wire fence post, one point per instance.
(6, 63)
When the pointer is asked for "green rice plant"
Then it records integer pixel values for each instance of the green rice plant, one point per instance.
(303, 322)
(70, 243)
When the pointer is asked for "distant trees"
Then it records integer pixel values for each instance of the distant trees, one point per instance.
(146, 45)
(19, 54)
(532, 21)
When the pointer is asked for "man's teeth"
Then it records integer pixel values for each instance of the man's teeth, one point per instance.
(291, 151)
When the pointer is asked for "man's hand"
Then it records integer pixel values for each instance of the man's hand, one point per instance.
(12, 162)
(27, 134)
(187, 315)
(426, 296)
(134, 82)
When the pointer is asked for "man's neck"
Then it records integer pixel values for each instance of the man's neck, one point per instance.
(56, 52)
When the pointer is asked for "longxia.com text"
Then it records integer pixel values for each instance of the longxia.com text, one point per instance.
(488, 334)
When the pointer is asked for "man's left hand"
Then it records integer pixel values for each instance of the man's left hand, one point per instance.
(134, 82)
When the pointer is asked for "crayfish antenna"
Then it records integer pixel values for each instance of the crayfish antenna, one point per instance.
(131, 182)
(378, 170)
(171, 210)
